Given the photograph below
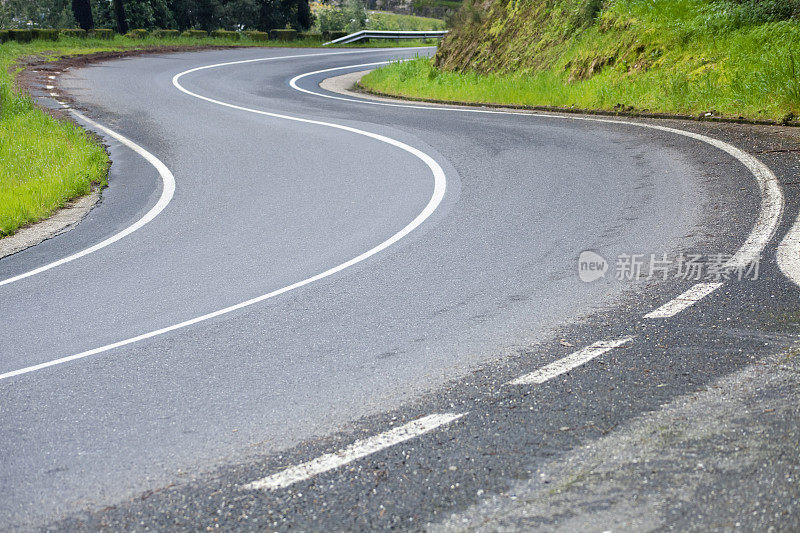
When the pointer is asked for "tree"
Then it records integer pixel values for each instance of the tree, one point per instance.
(119, 15)
(82, 10)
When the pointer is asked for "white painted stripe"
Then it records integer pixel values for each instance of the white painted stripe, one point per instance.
(788, 253)
(54, 94)
(574, 360)
(51, 77)
(439, 188)
(769, 213)
(355, 451)
(167, 192)
(168, 180)
(49, 87)
(684, 300)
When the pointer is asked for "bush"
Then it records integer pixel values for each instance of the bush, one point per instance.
(101, 33)
(350, 16)
(136, 34)
(166, 34)
(225, 34)
(21, 36)
(45, 35)
(73, 32)
(333, 35)
(310, 36)
(196, 34)
(283, 35)
(257, 35)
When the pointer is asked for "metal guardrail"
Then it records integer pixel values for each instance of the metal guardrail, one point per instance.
(383, 34)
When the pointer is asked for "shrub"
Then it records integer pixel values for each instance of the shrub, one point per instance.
(73, 32)
(21, 36)
(225, 34)
(257, 35)
(4, 36)
(310, 36)
(283, 35)
(196, 34)
(333, 35)
(166, 34)
(136, 34)
(101, 33)
(45, 34)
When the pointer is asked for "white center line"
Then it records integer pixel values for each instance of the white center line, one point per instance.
(684, 300)
(569, 362)
(355, 451)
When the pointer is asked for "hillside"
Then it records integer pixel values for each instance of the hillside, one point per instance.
(729, 57)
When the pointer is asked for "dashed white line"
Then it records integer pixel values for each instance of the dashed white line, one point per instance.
(355, 451)
(684, 300)
(569, 362)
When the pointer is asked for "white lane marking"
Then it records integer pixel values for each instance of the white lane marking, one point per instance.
(685, 300)
(439, 188)
(569, 362)
(357, 450)
(770, 210)
(49, 87)
(168, 180)
(167, 192)
(788, 253)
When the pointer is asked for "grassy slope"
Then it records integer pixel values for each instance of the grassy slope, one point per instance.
(46, 162)
(673, 56)
(379, 20)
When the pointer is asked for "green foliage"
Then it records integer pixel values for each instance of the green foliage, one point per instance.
(101, 33)
(392, 21)
(73, 32)
(25, 14)
(333, 35)
(137, 34)
(45, 34)
(165, 34)
(4, 36)
(310, 36)
(349, 17)
(20, 36)
(676, 56)
(195, 34)
(225, 34)
(283, 35)
(257, 35)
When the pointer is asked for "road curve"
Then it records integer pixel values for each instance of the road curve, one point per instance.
(266, 200)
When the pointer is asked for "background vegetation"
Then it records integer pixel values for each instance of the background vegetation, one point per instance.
(729, 57)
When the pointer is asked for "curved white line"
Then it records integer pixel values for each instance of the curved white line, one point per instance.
(167, 192)
(770, 210)
(168, 180)
(440, 185)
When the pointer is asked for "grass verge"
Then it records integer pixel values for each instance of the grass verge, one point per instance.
(687, 57)
(48, 162)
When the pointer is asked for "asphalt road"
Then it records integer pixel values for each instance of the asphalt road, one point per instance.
(487, 284)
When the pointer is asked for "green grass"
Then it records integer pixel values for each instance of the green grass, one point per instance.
(677, 56)
(47, 162)
(391, 21)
